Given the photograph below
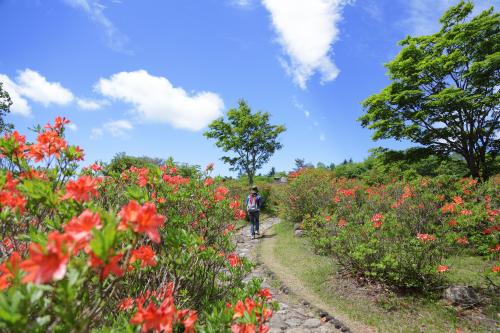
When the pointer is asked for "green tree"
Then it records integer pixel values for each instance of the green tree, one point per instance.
(444, 92)
(247, 135)
(5, 103)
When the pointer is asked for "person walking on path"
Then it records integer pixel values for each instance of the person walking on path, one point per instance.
(253, 204)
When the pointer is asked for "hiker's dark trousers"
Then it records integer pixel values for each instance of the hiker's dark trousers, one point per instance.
(254, 222)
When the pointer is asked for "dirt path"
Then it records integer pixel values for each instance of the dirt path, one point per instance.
(300, 311)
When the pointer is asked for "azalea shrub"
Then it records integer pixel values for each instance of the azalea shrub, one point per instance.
(141, 249)
(399, 232)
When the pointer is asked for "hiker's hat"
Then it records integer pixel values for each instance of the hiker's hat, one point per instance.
(255, 189)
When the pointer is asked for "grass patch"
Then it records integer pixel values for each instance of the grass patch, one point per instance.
(385, 311)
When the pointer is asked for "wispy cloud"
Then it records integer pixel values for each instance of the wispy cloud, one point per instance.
(423, 15)
(300, 106)
(95, 10)
(91, 104)
(306, 30)
(241, 3)
(116, 128)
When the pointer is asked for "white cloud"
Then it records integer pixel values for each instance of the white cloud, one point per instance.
(90, 104)
(95, 10)
(155, 99)
(241, 3)
(96, 133)
(32, 85)
(307, 30)
(72, 126)
(19, 104)
(423, 15)
(300, 106)
(36, 87)
(117, 128)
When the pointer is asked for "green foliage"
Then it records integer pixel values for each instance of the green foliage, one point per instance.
(249, 136)
(397, 232)
(5, 104)
(76, 248)
(444, 91)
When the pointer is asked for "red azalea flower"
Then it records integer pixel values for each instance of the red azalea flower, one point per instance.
(426, 237)
(452, 223)
(142, 219)
(188, 319)
(80, 228)
(209, 181)
(466, 212)
(220, 193)
(462, 240)
(496, 269)
(49, 263)
(145, 254)
(81, 189)
(233, 259)
(112, 267)
(9, 269)
(265, 293)
(342, 223)
(442, 268)
(126, 304)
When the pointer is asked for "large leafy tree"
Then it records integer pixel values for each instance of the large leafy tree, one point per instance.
(5, 103)
(445, 91)
(250, 138)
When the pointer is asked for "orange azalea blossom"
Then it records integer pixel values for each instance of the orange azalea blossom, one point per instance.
(80, 228)
(328, 218)
(496, 269)
(10, 196)
(265, 293)
(496, 248)
(240, 214)
(234, 204)
(126, 304)
(20, 147)
(9, 269)
(377, 220)
(48, 143)
(458, 200)
(342, 223)
(466, 212)
(142, 219)
(145, 255)
(209, 181)
(462, 240)
(452, 223)
(81, 189)
(442, 268)
(48, 264)
(448, 208)
(188, 318)
(243, 328)
(220, 193)
(162, 318)
(111, 267)
(426, 237)
(233, 259)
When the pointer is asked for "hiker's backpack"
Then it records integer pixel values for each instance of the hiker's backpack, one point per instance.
(252, 205)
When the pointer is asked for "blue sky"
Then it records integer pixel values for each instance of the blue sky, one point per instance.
(146, 77)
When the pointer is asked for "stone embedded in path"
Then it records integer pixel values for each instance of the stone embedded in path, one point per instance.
(312, 323)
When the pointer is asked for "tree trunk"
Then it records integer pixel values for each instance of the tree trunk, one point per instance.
(250, 178)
